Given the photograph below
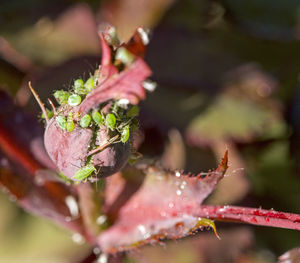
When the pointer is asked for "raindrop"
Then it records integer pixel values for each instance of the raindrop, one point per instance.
(78, 239)
(144, 35)
(96, 250)
(177, 174)
(178, 192)
(72, 205)
(171, 205)
(143, 231)
(183, 184)
(102, 258)
(101, 219)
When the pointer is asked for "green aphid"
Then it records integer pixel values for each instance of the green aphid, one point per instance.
(61, 96)
(49, 114)
(70, 123)
(61, 121)
(79, 87)
(124, 56)
(125, 134)
(134, 125)
(84, 172)
(85, 121)
(97, 117)
(74, 100)
(133, 112)
(110, 121)
(89, 85)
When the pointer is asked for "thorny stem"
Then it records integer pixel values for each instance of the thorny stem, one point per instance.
(254, 216)
(52, 106)
(103, 146)
(39, 101)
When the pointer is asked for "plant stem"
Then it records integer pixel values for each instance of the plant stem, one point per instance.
(254, 216)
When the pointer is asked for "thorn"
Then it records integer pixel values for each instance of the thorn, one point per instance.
(52, 106)
(36, 96)
(102, 147)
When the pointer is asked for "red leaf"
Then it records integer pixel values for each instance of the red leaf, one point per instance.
(162, 208)
(22, 167)
(127, 84)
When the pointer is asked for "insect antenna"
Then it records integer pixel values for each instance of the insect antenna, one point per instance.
(36, 96)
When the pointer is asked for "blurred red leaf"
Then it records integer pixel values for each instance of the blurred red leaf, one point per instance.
(23, 167)
(162, 208)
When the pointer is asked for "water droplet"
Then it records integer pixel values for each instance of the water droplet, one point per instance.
(68, 218)
(177, 174)
(102, 258)
(143, 35)
(178, 192)
(72, 205)
(171, 205)
(101, 219)
(182, 186)
(96, 250)
(163, 214)
(78, 239)
(143, 231)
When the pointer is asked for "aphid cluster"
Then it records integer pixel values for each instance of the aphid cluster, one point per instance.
(89, 134)
(120, 118)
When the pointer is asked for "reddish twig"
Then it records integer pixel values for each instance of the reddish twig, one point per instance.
(255, 216)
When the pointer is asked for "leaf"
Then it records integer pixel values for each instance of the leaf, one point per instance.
(50, 41)
(162, 208)
(128, 84)
(23, 163)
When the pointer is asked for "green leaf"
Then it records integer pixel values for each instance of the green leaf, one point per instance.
(97, 117)
(110, 121)
(84, 172)
(74, 100)
(85, 121)
(125, 134)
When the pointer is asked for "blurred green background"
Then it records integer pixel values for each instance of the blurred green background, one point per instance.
(228, 76)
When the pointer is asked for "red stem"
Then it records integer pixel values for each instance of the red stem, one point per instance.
(254, 216)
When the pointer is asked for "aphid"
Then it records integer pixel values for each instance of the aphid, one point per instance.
(79, 87)
(61, 96)
(84, 172)
(85, 121)
(89, 85)
(110, 121)
(74, 100)
(133, 112)
(97, 117)
(49, 114)
(125, 134)
(61, 121)
(124, 56)
(70, 124)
